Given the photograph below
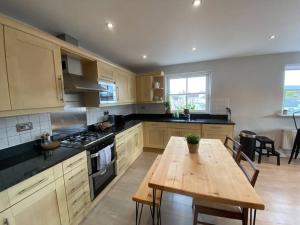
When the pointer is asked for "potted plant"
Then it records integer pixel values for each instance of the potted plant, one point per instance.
(167, 107)
(193, 142)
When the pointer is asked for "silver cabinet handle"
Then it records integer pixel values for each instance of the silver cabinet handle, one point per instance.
(75, 175)
(74, 163)
(32, 186)
(61, 89)
(80, 196)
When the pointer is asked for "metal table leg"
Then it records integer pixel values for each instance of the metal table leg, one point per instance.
(153, 206)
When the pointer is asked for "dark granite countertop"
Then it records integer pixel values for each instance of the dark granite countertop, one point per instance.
(21, 162)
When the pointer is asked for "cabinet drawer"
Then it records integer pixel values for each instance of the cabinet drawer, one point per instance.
(156, 124)
(185, 126)
(75, 179)
(74, 161)
(78, 212)
(30, 186)
(217, 128)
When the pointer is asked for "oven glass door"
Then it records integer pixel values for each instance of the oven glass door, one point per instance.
(108, 92)
(100, 180)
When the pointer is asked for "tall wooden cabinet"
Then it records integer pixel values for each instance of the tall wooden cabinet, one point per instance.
(4, 92)
(34, 71)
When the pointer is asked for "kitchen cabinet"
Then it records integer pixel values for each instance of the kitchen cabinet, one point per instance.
(144, 91)
(132, 88)
(46, 206)
(217, 131)
(129, 145)
(122, 80)
(77, 187)
(4, 91)
(34, 71)
(154, 135)
(150, 88)
(6, 218)
(106, 71)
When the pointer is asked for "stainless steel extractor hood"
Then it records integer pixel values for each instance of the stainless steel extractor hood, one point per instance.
(74, 79)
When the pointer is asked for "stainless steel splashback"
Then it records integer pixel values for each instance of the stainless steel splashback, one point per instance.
(66, 123)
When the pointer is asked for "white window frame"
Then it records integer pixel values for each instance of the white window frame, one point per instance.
(287, 67)
(188, 75)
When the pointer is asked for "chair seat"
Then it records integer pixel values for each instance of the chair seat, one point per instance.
(217, 206)
(264, 139)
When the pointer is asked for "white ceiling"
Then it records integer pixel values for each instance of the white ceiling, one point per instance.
(166, 30)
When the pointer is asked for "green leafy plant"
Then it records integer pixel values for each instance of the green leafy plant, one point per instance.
(192, 139)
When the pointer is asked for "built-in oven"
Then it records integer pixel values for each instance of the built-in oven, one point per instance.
(101, 164)
(108, 92)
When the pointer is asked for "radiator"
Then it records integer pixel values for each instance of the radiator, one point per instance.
(288, 137)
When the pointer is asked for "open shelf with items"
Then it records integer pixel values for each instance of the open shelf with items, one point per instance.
(150, 87)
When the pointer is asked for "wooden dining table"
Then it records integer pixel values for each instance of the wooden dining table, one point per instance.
(211, 174)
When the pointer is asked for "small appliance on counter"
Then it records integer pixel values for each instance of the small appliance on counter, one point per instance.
(117, 120)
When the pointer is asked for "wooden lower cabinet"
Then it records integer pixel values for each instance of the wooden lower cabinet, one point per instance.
(217, 131)
(157, 135)
(154, 135)
(129, 145)
(47, 206)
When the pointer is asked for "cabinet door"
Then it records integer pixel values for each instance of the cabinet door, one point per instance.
(6, 218)
(130, 147)
(122, 156)
(4, 92)
(47, 206)
(154, 137)
(171, 132)
(213, 131)
(34, 71)
(122, 81)
(132, 88)
(144, 88)
(105, 71)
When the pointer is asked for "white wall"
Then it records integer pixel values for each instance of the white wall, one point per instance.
(253, 85)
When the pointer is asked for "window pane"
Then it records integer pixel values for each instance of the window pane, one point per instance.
(178, 86)
(178, 102)
(196, 102)
(292, 90)
(292, 78)
(196, 84)
(292, 99)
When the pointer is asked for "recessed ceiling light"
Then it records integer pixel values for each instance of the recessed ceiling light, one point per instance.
(109, 25)
(272, 37)
(197, 3)
(194, 49)
(144, 56)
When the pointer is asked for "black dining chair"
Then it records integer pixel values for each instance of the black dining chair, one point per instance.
(233, 146)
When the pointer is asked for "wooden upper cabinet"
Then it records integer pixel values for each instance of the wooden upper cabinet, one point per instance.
(132, 88)
(144, 90)
(105, 71)
(34, 71)
(4, 91)
(122, 80)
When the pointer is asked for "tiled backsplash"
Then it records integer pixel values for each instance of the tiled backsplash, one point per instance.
(9, 135)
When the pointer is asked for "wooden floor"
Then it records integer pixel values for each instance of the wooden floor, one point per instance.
(278, 186)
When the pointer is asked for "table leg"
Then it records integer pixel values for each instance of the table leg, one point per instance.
(153, 206)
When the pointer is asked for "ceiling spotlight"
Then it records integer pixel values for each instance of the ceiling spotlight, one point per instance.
(194, 49)
(110, 25)
(272, 37)
(144, 56)
(197, 3)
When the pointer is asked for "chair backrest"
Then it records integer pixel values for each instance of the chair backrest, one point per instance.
(247, 165)
(233, 146)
